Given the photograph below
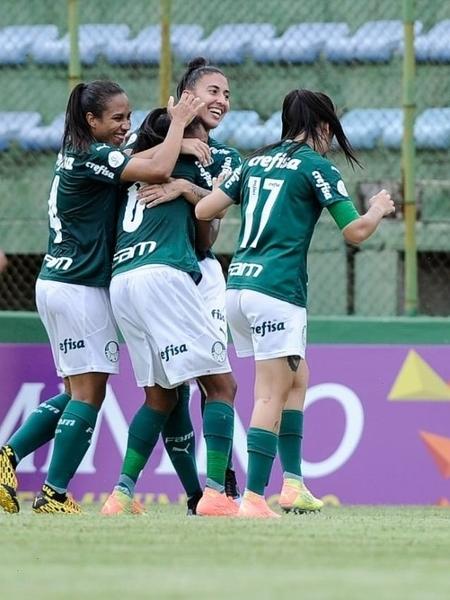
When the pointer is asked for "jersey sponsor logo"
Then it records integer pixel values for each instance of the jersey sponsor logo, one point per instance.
(322, 185)
(226, 169)
(218, 315)
(100, 169)
(280, 160)
(115, 159)
(60, 262)
(170, 351)
(141, 249)
(219, 352)
(244, 269)
(64, 162)
(69, 344)
(112, 351)
(204, 174)
(268, 327)
(235, 176)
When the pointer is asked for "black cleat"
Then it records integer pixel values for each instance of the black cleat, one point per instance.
(192, 504)
(50, 502)
(231, 486)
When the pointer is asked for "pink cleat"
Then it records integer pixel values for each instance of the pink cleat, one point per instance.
(215, 504)
(254, 506)
(120, 503)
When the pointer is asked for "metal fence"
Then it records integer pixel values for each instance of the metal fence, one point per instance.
(352, 50)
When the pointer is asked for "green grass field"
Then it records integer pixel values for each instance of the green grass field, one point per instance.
(351, 552)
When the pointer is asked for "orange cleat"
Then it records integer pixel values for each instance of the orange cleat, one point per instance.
(120, 503)
(216, 504)
(254, 506)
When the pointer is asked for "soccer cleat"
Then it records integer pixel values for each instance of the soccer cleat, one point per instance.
(50, 502)
(8, 482)
(192, 504)
(231, 486)
(296, 497)
(254, 506)
(119, 503)
(216, 504)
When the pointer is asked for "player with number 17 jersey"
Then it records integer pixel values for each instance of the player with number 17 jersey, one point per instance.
(281, 198)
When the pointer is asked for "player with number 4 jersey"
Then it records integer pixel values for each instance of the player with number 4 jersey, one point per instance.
(282, 190)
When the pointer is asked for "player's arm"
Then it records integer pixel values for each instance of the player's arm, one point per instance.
(206, 233)
(152, 195)
(160, 165)
(357, 228)
(190, 146)
(213, 205)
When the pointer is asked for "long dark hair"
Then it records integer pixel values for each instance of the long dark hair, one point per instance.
(304, 113)
(196, 69)
(152, 130)
(86, 97)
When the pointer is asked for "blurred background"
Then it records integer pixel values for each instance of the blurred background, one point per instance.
(352, 50)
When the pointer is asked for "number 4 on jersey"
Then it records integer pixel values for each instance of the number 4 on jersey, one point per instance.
(273, 186)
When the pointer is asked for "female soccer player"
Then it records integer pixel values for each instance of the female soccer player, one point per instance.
(211, 85)
(282, 190)
(170, 334)
(72, 289)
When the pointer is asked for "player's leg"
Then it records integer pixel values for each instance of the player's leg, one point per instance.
(143, 435)
(295, 495)
(179, 440)
(273, 381)
(213, 289)
(84, 343)
(37, 430)
(218, 428)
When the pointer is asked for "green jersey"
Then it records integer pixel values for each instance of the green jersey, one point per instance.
(162, 235)
(281, 198)
(224, 161)
(82, 212)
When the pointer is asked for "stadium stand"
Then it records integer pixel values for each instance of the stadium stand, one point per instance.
(431, 130)
(145, 47)
(435, 44)
(227, 44)
(364, 127)
(300, 43)
(12, 123)
(17, 40)
(93, 38)
(375, 42)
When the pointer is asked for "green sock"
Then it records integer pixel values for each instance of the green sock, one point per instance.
(218, 426)
(72, 438)
(262, 449)
(179, 441)
(143, 434)
(290, 442)
(39, 428)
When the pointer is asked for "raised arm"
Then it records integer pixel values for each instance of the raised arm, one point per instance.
(213, 205)
(360, 229)
(159, 165)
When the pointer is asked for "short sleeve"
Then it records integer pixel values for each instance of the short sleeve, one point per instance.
(232, 186)
(105, 163)
(326, 181)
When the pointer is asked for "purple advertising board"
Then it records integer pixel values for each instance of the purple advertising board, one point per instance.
(377, 425)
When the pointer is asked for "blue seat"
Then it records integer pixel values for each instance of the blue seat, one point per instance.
(12, 123)
(93, 38)
(16, 41)
(145, 48)
(300, 43)
(233, 121)
(42, 138)
(435, 44)
(227, 44)
(432, 129)
(375, 41)
(137, 116)
(364, 127)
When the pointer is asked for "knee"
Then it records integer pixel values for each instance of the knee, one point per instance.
(224, 388)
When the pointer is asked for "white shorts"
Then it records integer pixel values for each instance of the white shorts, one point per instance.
(265, 327)
(80, 325)
(212, 289)
(169, 333)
